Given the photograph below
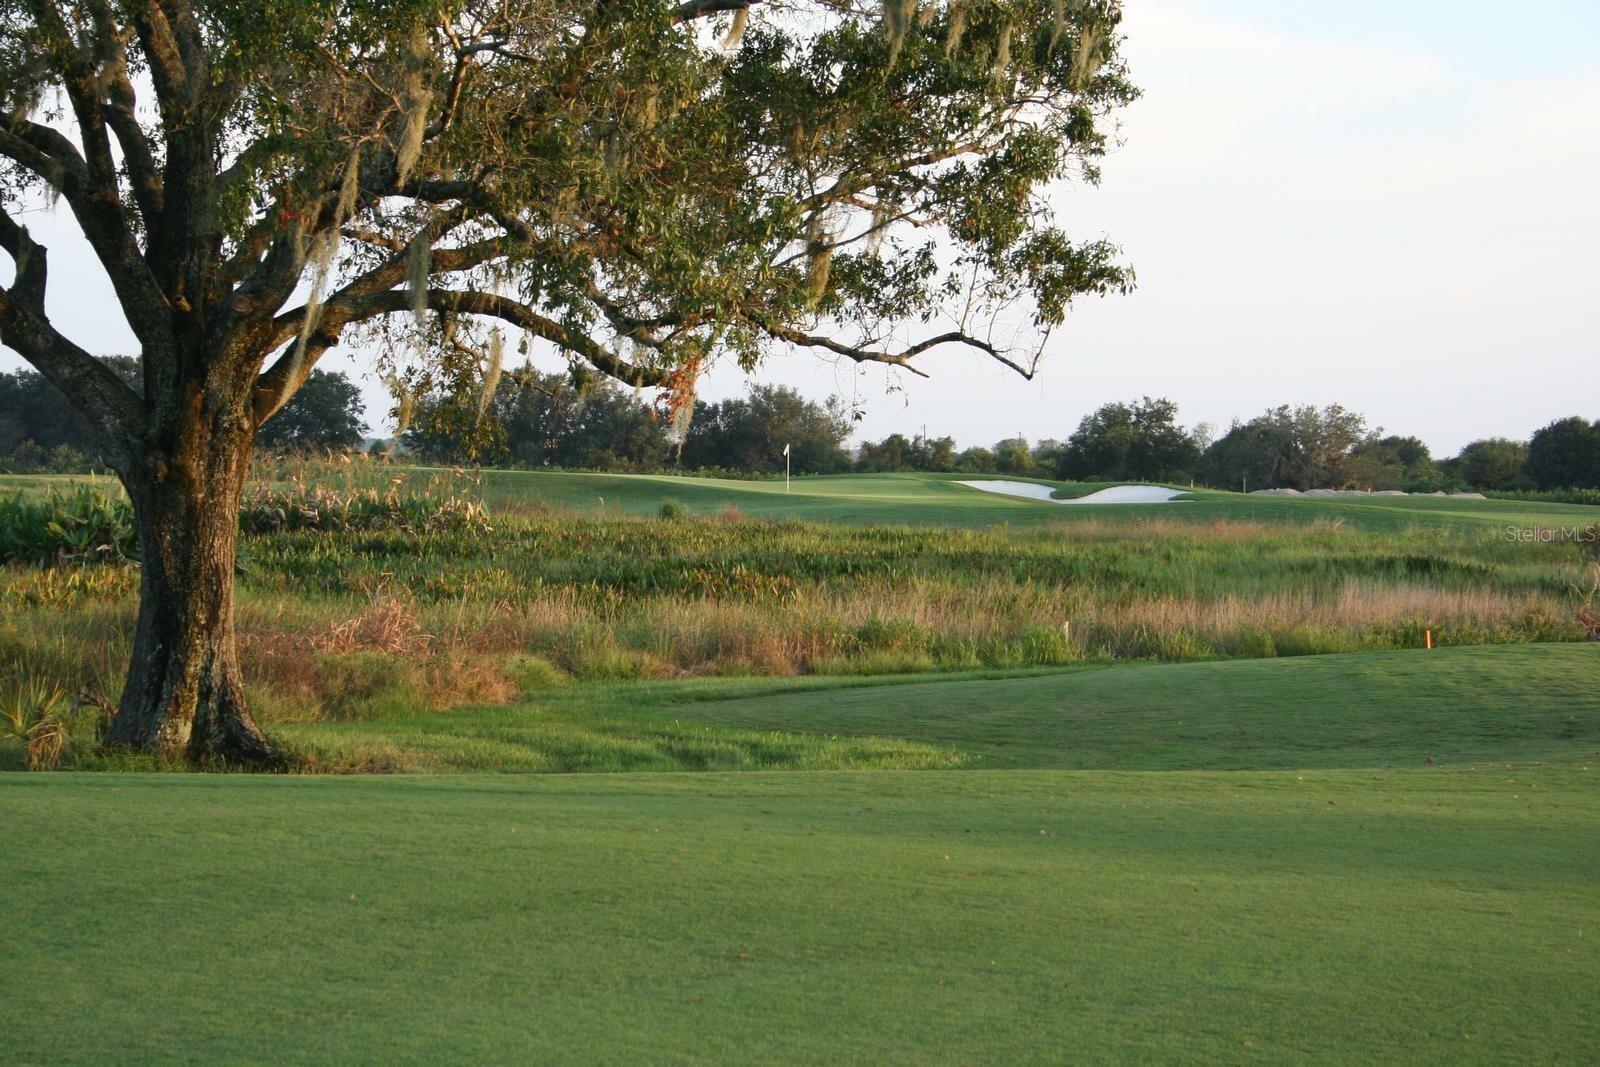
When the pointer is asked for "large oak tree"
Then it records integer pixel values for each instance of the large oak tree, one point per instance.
(636, 187)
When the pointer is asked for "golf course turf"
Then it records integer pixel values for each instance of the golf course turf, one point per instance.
(1133, 843)
(1355, 902)
(922, 498)
(918, 498)
(1460, 705)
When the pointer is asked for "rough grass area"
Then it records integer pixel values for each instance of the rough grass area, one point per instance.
(1420, 916)
(361, 598)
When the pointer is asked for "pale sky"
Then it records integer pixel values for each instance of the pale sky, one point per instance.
(1391, 206)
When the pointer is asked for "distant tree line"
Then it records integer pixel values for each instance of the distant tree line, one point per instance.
(1285, 447)
(42, 432)
(542, 420)
(551, 420)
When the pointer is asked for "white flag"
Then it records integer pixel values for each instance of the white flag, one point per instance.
(786, 448)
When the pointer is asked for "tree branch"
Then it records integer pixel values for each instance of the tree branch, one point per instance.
(901, 359)
(959, 337)
(113, 408)
(699, 9)
(514, 312)
(174, 94)
(121, 114)
(860, 355)
(100, 215)
(392, 272)
(31, 262)
(277, 385)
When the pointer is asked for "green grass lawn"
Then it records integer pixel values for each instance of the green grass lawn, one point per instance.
(919, 498)
(1459, 705)
(1111, 858)
(1438, 916)
(1529, 703)
(1341, 900)
(939, 498)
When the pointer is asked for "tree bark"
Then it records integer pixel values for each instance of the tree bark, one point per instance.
(184, 696)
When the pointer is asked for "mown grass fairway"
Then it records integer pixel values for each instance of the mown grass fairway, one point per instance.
(1344, 901)
(939, 498)
(922, 499)
(1416, 916)
(1462, 705)
(1536, 703)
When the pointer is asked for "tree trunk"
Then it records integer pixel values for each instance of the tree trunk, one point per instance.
(184, 696)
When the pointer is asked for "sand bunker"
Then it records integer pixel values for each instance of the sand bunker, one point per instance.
(1117, 494)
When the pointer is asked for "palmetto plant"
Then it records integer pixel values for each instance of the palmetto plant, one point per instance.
(81, 525)
(31, 715)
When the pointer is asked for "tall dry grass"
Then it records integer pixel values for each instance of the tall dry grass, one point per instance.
(398, 614)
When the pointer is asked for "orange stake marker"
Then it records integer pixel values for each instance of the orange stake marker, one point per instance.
(1428, 636)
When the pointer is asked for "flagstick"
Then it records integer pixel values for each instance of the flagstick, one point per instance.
(785, 468)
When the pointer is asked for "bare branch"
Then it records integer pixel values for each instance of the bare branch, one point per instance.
(276, 386)
(902, 359)
(30, 260)
(168, 74)
(112, 407)
(392, 272)
(100, 216)
(458, 80)
(860, 355)
(958, 337)
(80, 79)
(121, 114)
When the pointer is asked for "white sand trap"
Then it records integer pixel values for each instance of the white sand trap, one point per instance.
(1117, 494)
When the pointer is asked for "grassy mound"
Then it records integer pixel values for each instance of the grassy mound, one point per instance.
(1459, 705)
(1519, 704)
